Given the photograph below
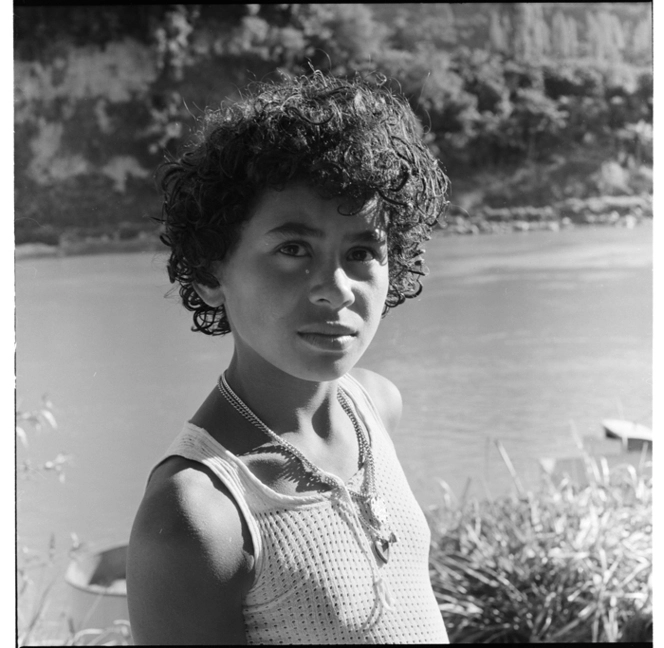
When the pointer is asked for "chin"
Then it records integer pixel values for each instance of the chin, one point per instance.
(325, 371)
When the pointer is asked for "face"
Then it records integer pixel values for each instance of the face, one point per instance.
(305, 287)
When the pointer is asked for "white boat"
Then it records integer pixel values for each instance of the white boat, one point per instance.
(98, 588)
(632, 435)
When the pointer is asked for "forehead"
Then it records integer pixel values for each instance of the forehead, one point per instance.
(304, 204)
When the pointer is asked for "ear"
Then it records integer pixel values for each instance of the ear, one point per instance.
(213, 296)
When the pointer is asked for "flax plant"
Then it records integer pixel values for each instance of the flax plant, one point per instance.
(564, 563)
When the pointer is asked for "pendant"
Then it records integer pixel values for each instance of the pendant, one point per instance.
(378, 510)
(382, 548)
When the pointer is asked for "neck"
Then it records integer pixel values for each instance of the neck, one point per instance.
(285, 403)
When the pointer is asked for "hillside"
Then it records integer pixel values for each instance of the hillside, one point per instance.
(523, 103)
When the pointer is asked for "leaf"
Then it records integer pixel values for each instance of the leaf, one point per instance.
(20, 433)
(49, 418)
(565, 629)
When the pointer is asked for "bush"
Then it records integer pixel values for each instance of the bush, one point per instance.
(564, 564)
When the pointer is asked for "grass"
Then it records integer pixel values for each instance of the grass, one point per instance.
(560, 564)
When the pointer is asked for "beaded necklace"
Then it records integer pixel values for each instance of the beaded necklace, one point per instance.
(377, 524)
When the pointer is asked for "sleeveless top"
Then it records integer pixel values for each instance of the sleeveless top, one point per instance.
(317, 579)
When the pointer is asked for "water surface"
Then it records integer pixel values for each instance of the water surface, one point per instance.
(514, 337)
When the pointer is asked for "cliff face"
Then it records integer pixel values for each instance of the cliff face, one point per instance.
(619, 31)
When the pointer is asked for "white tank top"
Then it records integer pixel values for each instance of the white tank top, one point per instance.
(317, 579)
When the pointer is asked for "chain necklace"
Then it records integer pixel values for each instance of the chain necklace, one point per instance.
(377, 526)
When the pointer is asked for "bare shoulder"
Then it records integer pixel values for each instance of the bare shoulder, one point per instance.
(189, 558)
(385, 395)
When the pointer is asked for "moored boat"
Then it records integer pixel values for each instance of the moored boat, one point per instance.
(632, 435)
(98, 588)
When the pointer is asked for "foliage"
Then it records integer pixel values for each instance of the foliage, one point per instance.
(419, 27)
(38, 420)
(484, 110)
(38, 27)
(103, 92)
(563, 564)
(512, 112)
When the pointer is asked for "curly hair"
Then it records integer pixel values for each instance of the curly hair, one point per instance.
(349, 138)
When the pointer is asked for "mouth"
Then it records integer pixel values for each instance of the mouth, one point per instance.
(333, 338)
(329, 328)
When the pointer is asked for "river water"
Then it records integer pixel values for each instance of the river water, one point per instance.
(516, 337)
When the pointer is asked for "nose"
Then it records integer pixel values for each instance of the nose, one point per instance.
(332, 287)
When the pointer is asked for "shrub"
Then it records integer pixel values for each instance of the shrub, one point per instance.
(563, 564)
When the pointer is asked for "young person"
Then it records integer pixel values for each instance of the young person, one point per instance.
(280, 514)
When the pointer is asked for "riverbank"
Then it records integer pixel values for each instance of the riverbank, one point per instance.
(607, 211)
(80, 245)
(615, 211)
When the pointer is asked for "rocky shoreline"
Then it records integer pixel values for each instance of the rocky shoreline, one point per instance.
(80, 245)
(614, 211)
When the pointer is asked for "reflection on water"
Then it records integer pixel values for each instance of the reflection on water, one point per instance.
(513, 337)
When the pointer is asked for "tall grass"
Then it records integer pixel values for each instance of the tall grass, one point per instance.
(564, 563)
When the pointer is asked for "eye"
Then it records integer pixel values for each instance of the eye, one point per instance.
(293, 249)
(362, 255)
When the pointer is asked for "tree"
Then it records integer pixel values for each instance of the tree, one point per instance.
(421, 26)
(342, 36)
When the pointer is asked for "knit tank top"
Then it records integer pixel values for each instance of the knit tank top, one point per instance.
(317, 579)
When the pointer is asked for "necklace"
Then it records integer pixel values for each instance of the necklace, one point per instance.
(377, 524)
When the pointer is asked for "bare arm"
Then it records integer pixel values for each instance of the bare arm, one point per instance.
(384, 394)
(189, 562)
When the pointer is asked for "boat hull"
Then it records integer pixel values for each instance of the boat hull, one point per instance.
(632, 435)
(98, 588)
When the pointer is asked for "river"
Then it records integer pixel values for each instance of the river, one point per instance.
(516, 337)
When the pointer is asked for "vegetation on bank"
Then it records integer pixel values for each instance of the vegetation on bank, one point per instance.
(525, 104)
(564, 563)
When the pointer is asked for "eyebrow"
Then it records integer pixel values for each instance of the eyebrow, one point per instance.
(296, 229)
(300, 229)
